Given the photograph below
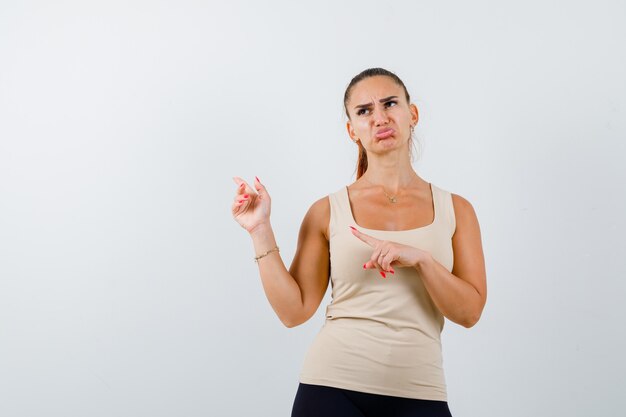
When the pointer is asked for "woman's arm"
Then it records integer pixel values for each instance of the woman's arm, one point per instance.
(461, 294)
(296, 294)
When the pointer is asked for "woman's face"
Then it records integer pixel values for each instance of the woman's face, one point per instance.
(380, 117)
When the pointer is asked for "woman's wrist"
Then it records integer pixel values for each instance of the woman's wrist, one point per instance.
(263, 240)
(424, 262)
(260, 229)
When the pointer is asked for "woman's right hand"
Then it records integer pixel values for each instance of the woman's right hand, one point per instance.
(251, 209)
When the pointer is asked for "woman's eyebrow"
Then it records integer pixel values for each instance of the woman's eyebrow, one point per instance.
(382, 100)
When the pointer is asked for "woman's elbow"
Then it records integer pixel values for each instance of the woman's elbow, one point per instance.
(473, 315)
(296, 320)
(471, 320)
(290, 324)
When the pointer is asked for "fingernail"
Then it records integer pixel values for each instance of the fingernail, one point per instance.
(246, 196)
(364, 267)
(257, 179)
(392, 271)
(383, 274)
(241, 185)
(353, 228)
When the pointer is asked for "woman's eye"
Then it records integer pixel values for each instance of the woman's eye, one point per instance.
(362, 111)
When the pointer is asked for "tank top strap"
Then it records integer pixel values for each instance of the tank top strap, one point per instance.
(340, 211)
(445, 208)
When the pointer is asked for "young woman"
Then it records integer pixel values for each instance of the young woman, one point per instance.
(401, 254)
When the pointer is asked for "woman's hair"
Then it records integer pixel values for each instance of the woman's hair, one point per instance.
(370, 72)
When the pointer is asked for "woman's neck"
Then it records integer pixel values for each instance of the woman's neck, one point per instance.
(391, 171)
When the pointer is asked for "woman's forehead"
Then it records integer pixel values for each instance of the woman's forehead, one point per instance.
(376, 88)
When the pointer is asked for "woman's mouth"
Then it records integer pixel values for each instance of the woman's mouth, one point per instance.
(385, 133)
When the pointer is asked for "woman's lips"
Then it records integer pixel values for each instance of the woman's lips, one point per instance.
(385, 133)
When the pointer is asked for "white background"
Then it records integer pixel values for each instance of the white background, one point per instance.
(126, 289)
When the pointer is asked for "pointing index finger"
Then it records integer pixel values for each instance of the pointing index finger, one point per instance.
(372, 241)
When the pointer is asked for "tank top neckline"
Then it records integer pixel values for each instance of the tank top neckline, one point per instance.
(435, 214)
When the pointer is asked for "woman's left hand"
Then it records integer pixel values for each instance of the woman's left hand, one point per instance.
(387, 253)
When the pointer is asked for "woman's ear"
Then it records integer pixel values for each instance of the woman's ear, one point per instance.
(351, 132)
(415, 116)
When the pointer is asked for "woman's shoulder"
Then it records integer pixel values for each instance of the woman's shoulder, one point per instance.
(322, 205)
(459, 208)
(318, 215)
(464, 214)
(461, 204)
(459, 201)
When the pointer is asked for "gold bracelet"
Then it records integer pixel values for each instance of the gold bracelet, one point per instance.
(275, 249)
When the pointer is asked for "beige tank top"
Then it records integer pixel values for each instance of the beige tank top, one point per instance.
(381, 336)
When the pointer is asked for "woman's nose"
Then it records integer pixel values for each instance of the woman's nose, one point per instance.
(380, 116)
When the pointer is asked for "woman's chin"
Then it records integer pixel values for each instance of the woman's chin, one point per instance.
(388, 143)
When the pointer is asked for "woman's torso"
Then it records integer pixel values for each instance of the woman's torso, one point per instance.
(381, 335)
